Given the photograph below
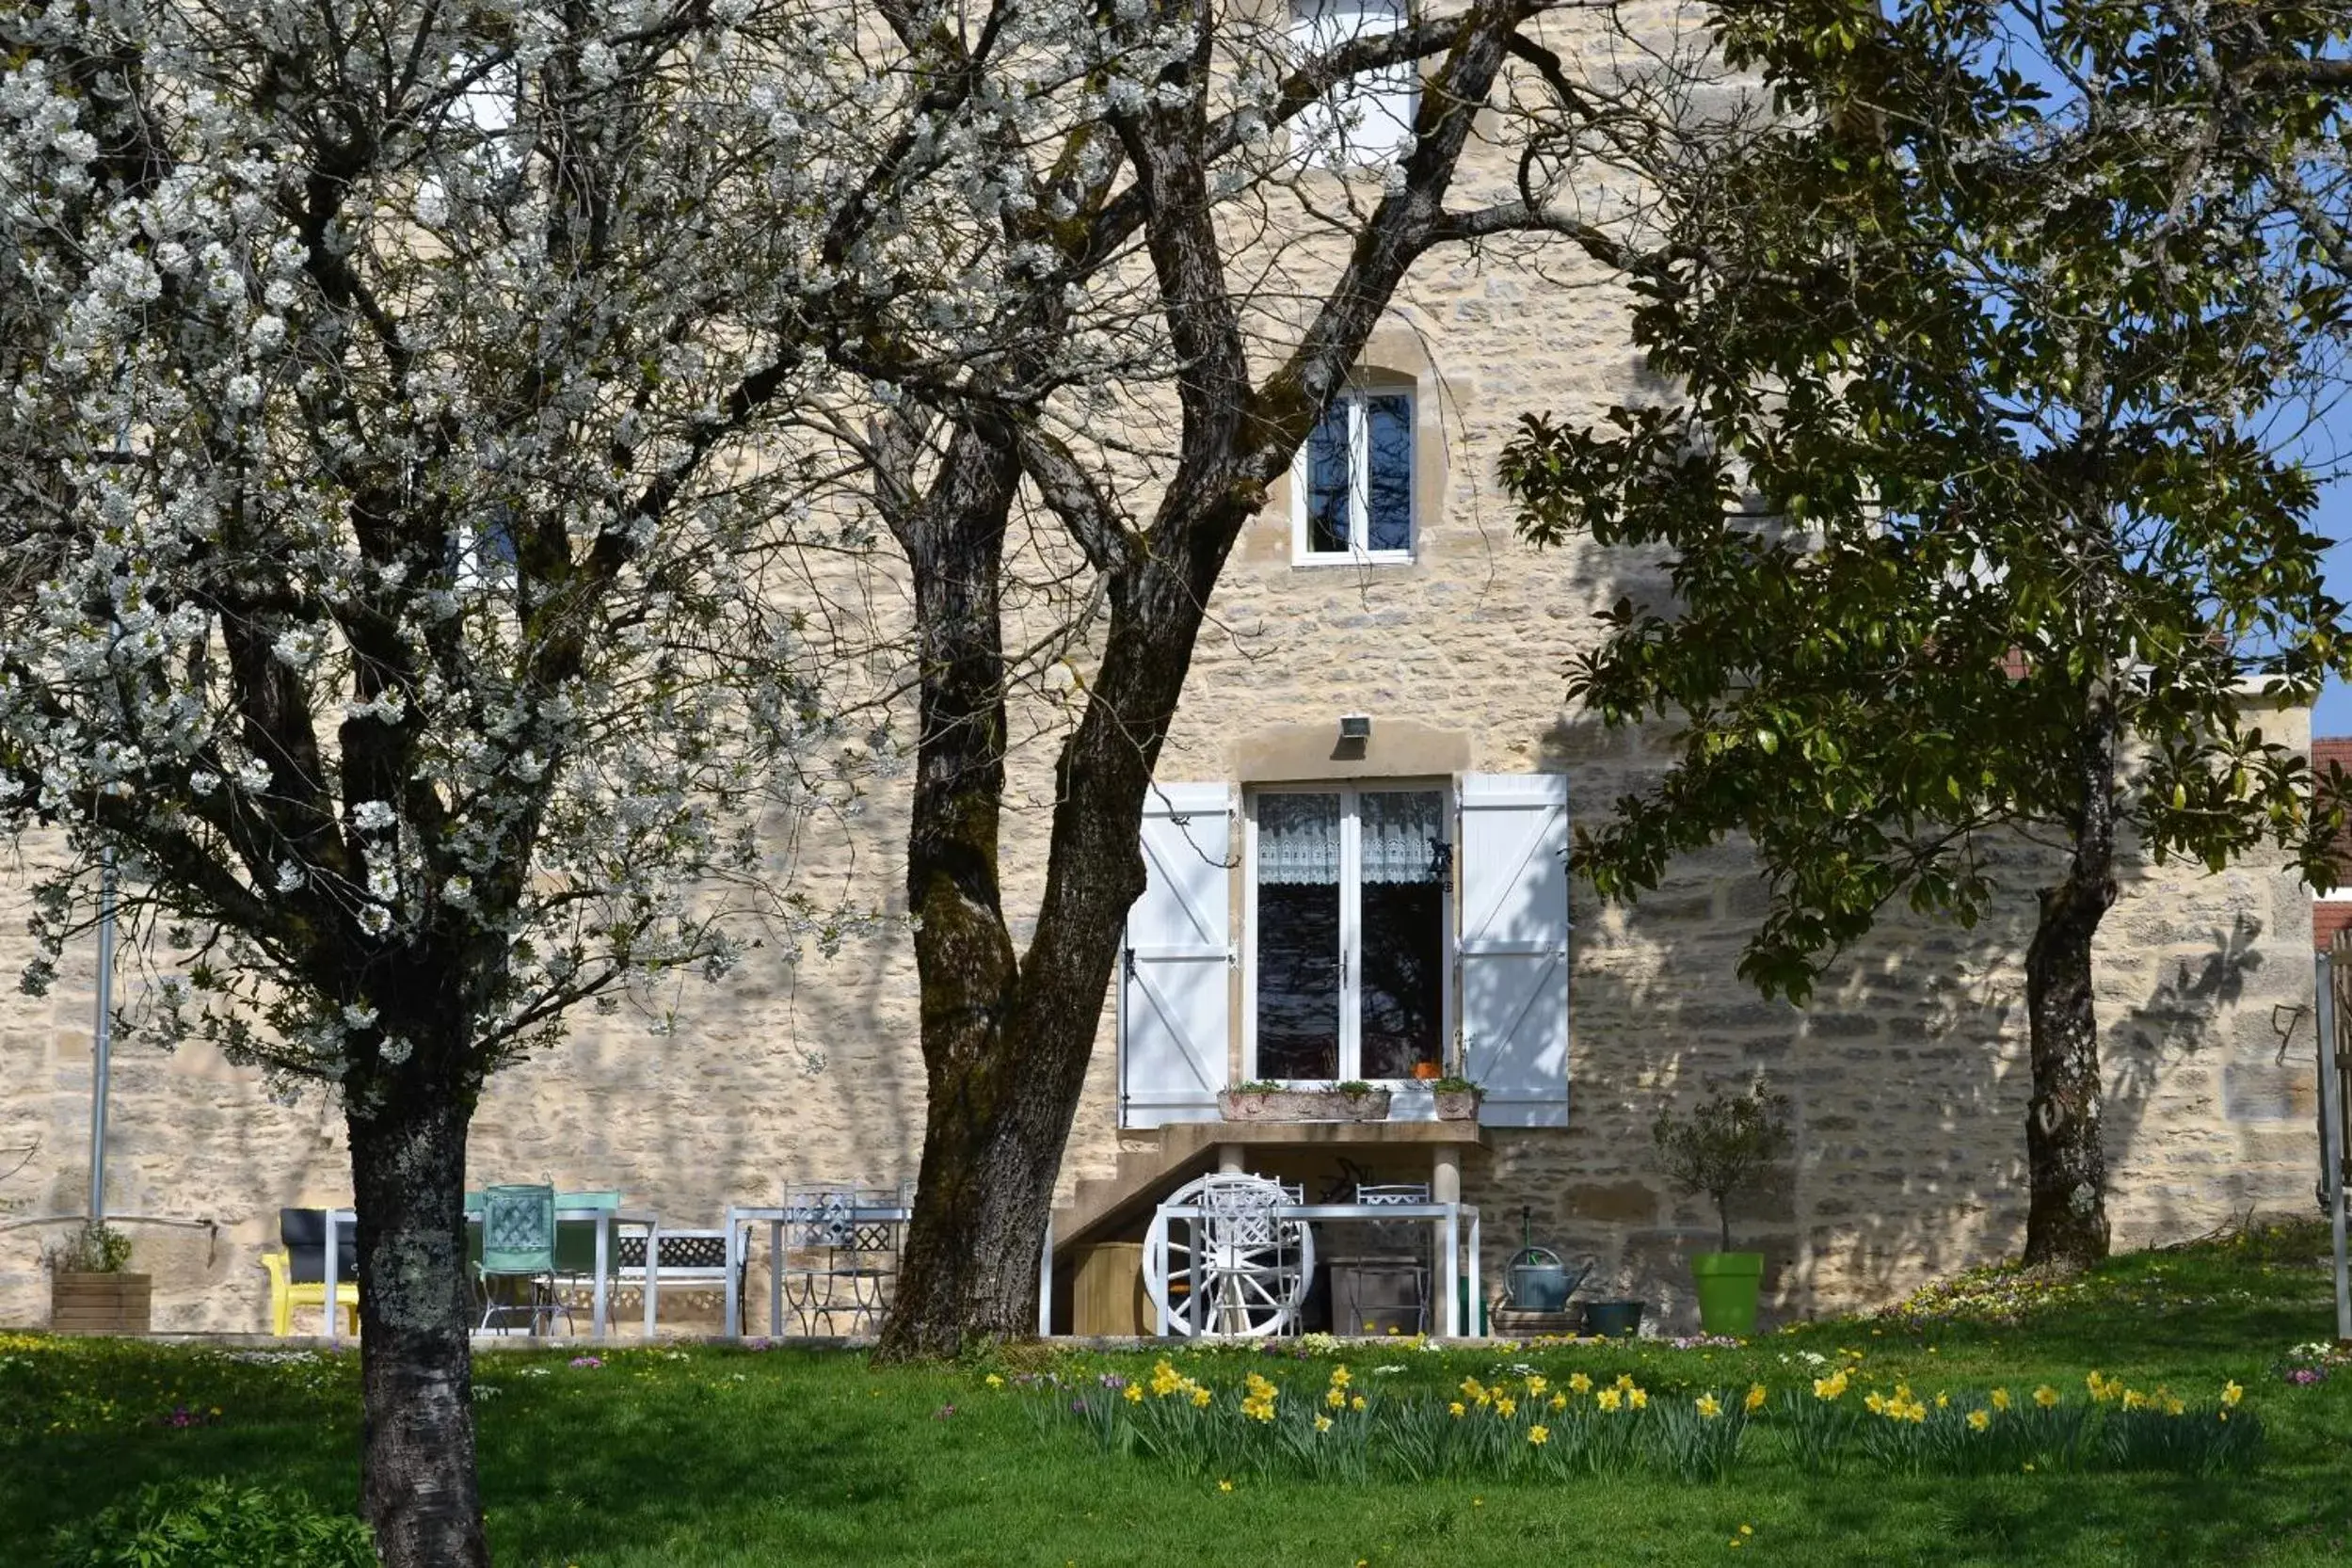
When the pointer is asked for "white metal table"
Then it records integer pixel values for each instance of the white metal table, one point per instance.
(1448, 1221)
(607, 1222)
(742, 1217)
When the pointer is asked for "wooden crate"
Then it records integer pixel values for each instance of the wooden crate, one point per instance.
(1108, 1295)
(100, 1304)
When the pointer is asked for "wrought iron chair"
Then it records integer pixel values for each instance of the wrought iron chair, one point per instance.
(518, 1256)
(840, 1255)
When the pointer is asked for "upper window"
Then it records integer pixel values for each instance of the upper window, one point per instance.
(1355, 481)
(1368, 119)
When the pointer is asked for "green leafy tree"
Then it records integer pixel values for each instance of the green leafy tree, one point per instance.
(1972, 498)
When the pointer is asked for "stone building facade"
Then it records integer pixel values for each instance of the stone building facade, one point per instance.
(1907, 1074)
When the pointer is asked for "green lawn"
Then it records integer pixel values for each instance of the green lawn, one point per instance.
(706, 1456)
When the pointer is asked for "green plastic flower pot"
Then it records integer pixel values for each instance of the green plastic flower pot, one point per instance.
(1728, 1285)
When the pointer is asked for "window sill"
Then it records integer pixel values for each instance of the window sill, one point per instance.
(1356, 558)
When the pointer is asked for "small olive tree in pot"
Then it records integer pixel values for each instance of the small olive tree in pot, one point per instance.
(1725, 1145)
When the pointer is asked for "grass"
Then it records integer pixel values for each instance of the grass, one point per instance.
(685, 1457)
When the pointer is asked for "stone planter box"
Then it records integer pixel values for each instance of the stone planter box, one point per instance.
(1303, 1105)
(100, 1304)
(1459, 1104)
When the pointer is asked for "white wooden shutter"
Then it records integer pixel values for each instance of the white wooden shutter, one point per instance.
(1514, 945)
(1174, 1000)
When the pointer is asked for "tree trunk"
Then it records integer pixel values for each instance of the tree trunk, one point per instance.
(417, 1463)
(2065, 1222)
(1007, 1045)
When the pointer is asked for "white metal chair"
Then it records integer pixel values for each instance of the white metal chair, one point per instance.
(840, 1255)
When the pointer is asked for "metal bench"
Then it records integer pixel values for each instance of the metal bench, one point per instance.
(687, 1257)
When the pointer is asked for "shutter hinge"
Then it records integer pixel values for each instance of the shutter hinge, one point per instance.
(1126, 962)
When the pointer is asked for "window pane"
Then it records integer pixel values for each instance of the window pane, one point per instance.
(1327, 483)
(1389, 508)
(1298, 937)
(1405, 864)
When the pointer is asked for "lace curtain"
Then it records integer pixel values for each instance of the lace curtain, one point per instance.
(1298, 841)
(1402, 831)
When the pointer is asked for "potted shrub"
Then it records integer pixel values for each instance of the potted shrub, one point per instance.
(90, 1289)
(1457, 1099)
(1261, 1101)
(1724, 1148)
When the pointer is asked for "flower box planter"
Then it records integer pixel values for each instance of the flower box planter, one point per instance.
(100, 1304)
(1458, 1105)
(1303, 1105)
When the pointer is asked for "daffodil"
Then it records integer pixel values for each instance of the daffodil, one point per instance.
(1323, 1423)
(1335, 1398)
(1979, 1421)
(1560, 1401)
(1132, 1392)
(1538, 1436)
(1339, 1377)
(1756, 1395)
(2231, 1394)
(994, 1381)
(1611, 1398)
(2045, 1396)
(1536, 1385)
(1356, 1402)
(1707, 1407)
(1505, 1406)
(2000, 1398)
(1200, 1397)
(1457, 1410)
(1579, 1383)
(1637, 1399)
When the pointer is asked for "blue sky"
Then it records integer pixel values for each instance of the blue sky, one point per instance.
(2333, 715)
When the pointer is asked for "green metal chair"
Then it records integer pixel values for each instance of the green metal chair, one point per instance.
(518, 1256)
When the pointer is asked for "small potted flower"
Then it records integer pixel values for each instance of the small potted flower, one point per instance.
(1726, 1146)
(90, 1287)
(1259, 1101)
(1457, 1099)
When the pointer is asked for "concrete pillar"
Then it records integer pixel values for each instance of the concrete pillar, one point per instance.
(1231, 1160)
(1445, 1174)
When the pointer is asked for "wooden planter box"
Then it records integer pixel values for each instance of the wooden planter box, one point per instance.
(100, 1304)
(1459, 1104)
(1303, 1105)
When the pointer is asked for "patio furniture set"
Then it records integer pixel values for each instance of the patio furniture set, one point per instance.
(1227, 1256)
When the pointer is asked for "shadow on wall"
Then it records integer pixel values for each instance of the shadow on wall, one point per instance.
(1907, 1075)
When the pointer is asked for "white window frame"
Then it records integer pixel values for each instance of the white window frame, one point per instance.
(1385, 102)
(1359, 486)
(1351, 1062)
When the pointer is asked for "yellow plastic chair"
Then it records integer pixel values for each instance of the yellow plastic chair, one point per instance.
(285, 1295)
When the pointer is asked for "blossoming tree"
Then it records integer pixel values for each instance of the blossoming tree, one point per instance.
(396, 464)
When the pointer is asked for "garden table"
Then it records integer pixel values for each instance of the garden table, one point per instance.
(740, 1217)
(607, 1222)
(1447, 1222)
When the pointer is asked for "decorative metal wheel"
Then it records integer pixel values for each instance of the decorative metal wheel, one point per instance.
(1233, 1270)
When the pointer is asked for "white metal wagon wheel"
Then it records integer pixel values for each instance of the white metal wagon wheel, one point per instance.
(1233, 1270)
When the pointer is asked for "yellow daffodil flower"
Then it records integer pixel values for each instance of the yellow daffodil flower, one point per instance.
(1505, 1406)
(1457, 1410)
(1340, 1378)
(1611, 1399)
(1707, 1407)
(2231, 1394)
(1538, 1436)
(1579, 1383)
(995, 1381)
(1756, 1395)
(1356, 1402)
(2045, 1396)
(1133, 1393)
(1323, 1423)
(1979, 1421)
(1637, 1399)
(1560, 1401)
(2000, 1398)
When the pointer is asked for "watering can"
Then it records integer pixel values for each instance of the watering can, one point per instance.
(1535, 1279)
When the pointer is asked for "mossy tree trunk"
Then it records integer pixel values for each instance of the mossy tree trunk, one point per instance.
(2066, 1219)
